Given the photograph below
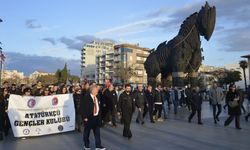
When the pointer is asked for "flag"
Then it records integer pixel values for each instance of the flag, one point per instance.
(1, 20)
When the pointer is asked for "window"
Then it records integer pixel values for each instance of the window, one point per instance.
(130, 58)
(126, 50)
(124, 58)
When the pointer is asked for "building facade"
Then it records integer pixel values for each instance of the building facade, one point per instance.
(8, 74)
(33, 76)
(125, 64)
(88, 57)
(13, 76)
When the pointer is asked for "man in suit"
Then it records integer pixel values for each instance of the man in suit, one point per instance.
(90, 109)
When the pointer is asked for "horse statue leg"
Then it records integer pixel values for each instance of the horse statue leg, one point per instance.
(178, 64)
(165, 79)
(195, 63)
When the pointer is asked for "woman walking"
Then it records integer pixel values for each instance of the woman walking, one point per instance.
(234, 107)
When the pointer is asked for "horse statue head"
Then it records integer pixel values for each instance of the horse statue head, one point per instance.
(206, 21)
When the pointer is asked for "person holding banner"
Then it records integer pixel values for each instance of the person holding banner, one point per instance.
(90, 110)
(4, 119)
(2, 113)
(77, 99)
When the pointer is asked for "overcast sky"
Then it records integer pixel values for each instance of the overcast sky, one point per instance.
(44, 34)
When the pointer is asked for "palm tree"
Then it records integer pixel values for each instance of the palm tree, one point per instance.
(243, 65)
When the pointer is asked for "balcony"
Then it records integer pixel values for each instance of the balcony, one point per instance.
(116, 60)
(109, 64)
(139, 75)
(109, 58)
(142, 55)
(139, 68)
(140, 61)
(109, 71)
(116, 54)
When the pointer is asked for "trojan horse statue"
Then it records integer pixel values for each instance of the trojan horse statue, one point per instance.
(182, 55)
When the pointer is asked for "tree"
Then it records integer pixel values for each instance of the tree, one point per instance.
(14, 79)
(48, 79)
(58, 74)
(125, 72)
(62, 75)
(243, 65)
(231, 76)
(74, 79)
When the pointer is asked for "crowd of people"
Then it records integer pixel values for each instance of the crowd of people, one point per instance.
(99, 106)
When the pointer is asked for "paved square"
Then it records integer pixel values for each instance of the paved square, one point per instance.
(174, 134)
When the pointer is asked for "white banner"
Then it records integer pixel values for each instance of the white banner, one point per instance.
(41, 115)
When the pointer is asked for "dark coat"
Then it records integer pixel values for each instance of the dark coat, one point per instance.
(84, 92)
(140, 99)
(158, 96)
(248, 93)
(166, 95)
(77, 99)
(2, 112)
(188, 92)
(110, 99)
(150, 96)
(196, 100)
(3, 106)
(126, 104)
(87, 107)
(235, 110)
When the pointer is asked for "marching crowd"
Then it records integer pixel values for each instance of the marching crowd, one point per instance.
(98, 106)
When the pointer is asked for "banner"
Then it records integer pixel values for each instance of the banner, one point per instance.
(41, 115)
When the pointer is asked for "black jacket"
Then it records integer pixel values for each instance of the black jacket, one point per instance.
(230, 97)
(158, 96)
(77, 100)
(87, 107)
(188, 92)
(3, 107)
(140, 99)
(196, 100)
(110, 98)
(126, 104)
(166, 95)
(150, 96)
